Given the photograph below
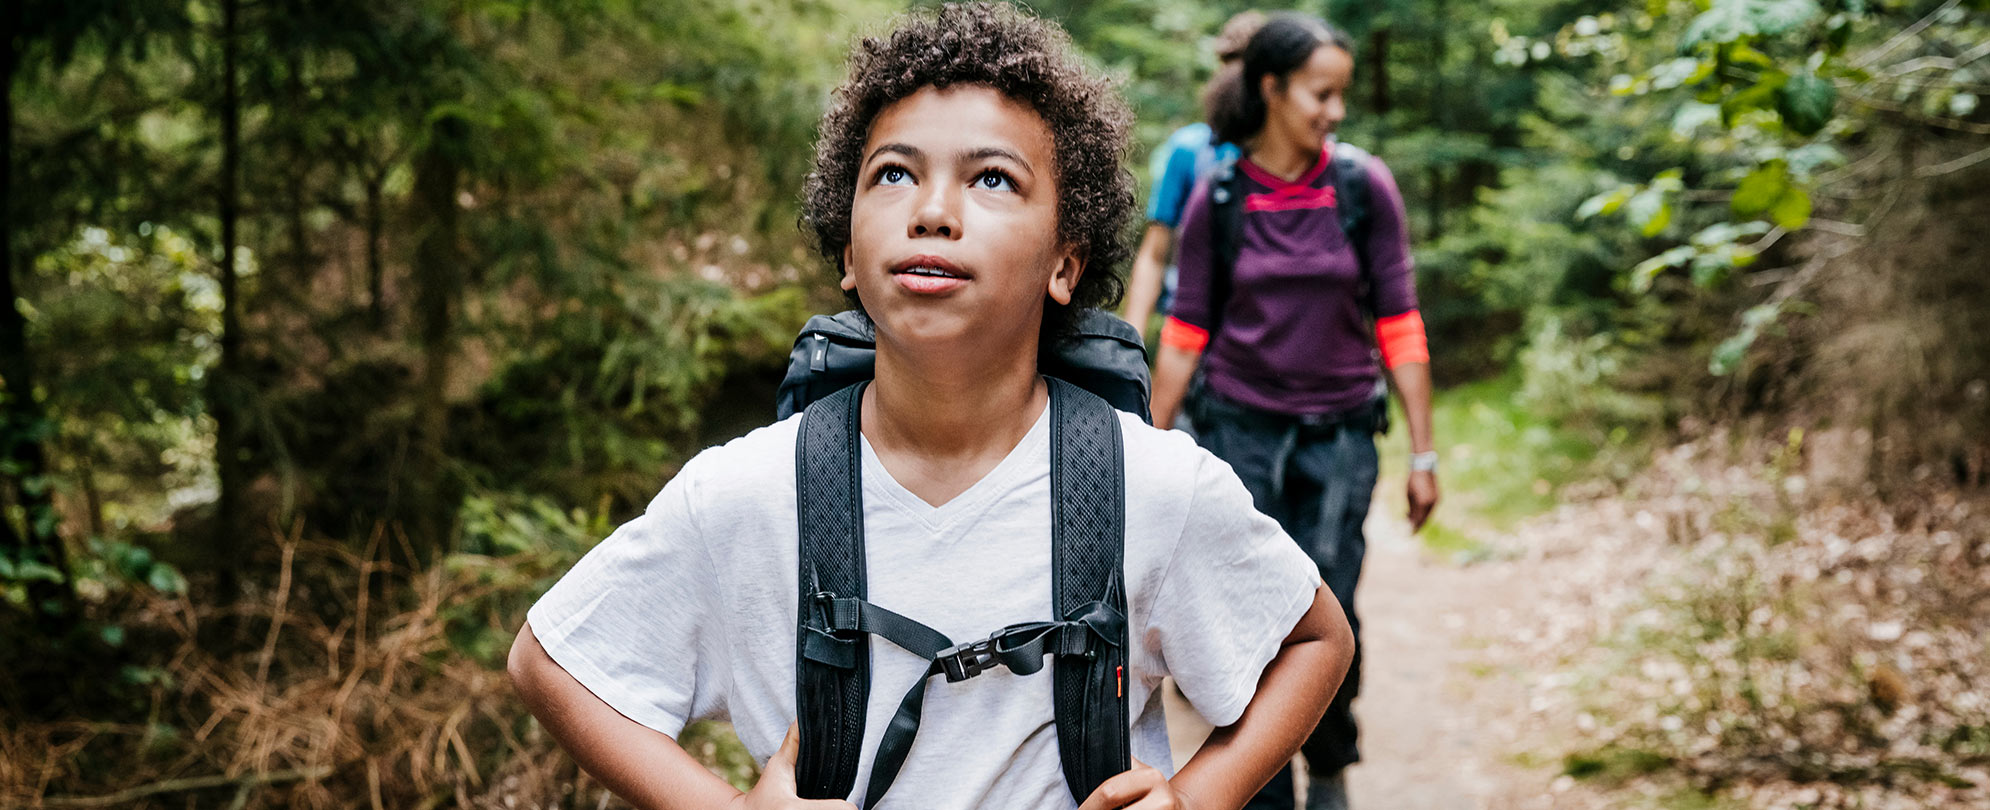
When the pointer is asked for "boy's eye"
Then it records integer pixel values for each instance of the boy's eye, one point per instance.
(894, 176)
(994, 181)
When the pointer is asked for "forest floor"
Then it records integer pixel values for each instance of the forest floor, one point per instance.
(1637, 647)
(1445, 708)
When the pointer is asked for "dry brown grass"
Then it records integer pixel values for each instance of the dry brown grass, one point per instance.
(358, 686)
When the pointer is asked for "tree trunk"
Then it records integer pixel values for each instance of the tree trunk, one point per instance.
(1378, 73)
(226, 385)
(22, 424)
(438, 276)
(376, 264)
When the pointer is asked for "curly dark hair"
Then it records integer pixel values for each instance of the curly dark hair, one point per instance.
(1025, 58)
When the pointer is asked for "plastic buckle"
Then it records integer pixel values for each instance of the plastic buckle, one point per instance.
(964, 661)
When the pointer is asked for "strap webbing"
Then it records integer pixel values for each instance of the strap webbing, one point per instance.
(1093, 630)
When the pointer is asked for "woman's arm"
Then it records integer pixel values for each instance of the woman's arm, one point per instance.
(1413, 383)
(1173, 369)
(1150, 264)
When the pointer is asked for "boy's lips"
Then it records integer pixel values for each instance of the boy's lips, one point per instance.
(929, 275)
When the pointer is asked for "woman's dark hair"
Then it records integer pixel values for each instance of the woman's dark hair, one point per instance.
(1024, 58)
(1234, 101)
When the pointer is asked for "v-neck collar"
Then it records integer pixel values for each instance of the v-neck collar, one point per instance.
(1276, 183)
(1032, 450)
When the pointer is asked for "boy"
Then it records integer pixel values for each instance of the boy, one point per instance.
(966, 181)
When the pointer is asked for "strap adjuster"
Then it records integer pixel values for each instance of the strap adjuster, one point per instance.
(963, 661)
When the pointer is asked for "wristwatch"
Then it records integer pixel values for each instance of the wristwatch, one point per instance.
(1424, 462)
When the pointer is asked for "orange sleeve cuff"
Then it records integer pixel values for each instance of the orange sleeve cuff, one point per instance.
(1179, 334)
(1402, 340)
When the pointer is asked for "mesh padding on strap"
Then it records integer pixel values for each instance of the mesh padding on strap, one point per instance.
(1088, 513)
(830, 701)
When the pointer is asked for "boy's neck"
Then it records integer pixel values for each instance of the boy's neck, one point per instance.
(939, 425)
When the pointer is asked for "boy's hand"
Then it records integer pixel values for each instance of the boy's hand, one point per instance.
(1140, 788)
(776, 788)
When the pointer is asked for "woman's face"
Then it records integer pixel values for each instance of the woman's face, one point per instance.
(1306, 107)
(953, 229)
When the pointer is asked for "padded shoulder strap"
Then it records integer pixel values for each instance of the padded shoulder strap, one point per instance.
(832, 667)
(1226, 234)
(1354, 200)
(1354, 203)
(1088, 515)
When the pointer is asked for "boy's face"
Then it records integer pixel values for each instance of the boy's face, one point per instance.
(953, 230)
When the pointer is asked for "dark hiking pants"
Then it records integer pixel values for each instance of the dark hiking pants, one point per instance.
(1315, 476)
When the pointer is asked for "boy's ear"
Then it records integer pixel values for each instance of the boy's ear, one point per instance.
(1064, 279)
(849, 281)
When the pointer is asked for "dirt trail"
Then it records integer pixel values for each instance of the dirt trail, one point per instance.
(1447, 714)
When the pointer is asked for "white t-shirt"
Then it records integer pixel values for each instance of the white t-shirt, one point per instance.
(688, 612)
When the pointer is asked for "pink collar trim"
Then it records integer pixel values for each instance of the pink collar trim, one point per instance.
(1262, 175)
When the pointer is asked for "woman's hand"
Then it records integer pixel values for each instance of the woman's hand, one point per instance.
(1423, 497)
(1140, 788)
(776, 788)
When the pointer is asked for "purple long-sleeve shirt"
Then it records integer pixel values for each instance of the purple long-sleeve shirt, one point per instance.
(1294, 335)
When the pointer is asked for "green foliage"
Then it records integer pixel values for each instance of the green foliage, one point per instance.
(1613, 764)
(1728, 21)
(1771, 74)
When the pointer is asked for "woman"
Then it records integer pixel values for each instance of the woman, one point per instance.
(1280, 330)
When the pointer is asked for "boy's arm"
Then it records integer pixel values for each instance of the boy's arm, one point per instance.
(1292, 694)
(1238, 759)
(643, 767)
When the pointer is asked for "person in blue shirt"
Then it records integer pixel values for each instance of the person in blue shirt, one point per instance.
(1184, 158)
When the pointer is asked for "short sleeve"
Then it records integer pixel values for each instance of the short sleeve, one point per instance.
(1173, 172)
(1388, 249)
(637, 620)
(1234, 590)
(1195, 261)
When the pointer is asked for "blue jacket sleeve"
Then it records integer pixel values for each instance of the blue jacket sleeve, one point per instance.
(1173, 170)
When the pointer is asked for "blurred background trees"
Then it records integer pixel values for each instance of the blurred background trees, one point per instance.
(434, 293)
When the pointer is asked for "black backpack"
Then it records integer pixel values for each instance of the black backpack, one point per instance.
(1352, 201)
(1103, 367)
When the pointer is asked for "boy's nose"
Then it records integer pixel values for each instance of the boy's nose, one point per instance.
(938, 214)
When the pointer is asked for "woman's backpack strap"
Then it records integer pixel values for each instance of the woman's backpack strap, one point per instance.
(1088, 540)
(832, 667)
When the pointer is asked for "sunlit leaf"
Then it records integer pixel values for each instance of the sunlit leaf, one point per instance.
(166, 579)
(1728, 355)
(1606, 203)
(31, 570)
(1648, 211)
(1692, 115)
(1760, 190)
(1792, 210)
(1772, 17)
(1675, 72)
(1647, 270)
(1758, 96)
